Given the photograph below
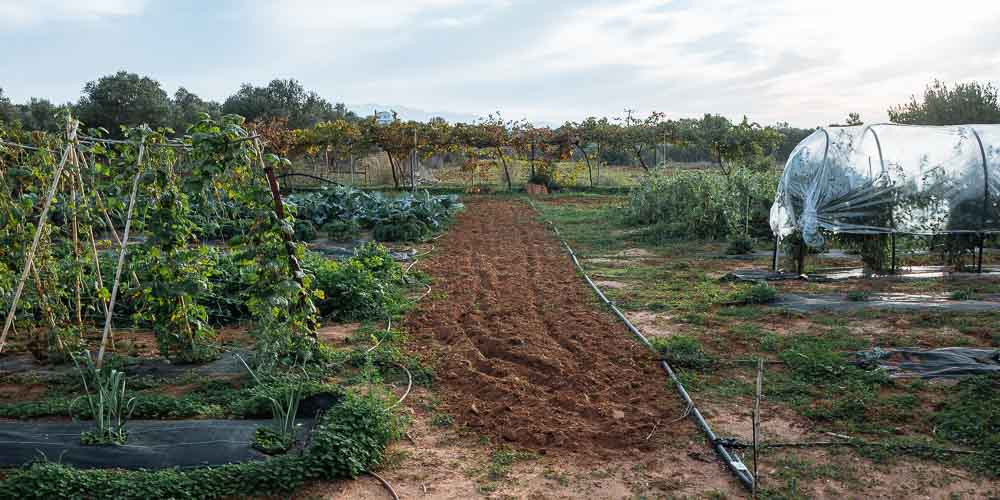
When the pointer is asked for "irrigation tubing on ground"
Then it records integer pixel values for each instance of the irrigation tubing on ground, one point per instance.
(733, 463)
(309, 176)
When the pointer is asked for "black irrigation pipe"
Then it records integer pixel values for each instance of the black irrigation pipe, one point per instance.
(733, 463)
(314, 177)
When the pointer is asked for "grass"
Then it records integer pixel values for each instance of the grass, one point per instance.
(684, 352)
(442, 420)
(496, 471)
(757, 293)
(815, 379)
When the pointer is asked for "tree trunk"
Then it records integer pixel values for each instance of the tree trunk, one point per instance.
(392, 166)
(506, 172)
(638, 154)
(532, 159)
(590, 171)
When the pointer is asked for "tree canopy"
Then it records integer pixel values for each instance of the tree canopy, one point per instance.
(286, 99)
(124, 99)
(964, 103)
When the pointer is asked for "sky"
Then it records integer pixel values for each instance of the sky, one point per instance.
(804, 62)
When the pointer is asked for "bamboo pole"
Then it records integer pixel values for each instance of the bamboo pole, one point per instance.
(99, 283)
(75, 231)
(121, 254)
(107, 220)
(42, 219)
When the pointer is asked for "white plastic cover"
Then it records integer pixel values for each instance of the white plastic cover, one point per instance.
(891, 178)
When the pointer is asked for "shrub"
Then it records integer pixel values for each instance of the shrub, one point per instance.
(758, 293)
(874, 250)
(401, 229)
(362, 287)
(544, 180)
(304, 230)
(741, 245)
(342, 230)
(704, 204)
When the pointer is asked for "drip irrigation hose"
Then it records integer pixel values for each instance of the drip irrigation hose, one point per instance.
(733, 463)
(314, 177)
(386, 484)
(409, 386)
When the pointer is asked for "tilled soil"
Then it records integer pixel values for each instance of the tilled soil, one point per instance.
(523, 352)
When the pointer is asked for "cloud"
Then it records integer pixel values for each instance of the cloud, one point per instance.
(19, 13)
(326, 21)
(786, 60)
(775, 60)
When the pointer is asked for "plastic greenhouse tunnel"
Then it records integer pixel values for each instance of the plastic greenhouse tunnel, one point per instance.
(889, 179)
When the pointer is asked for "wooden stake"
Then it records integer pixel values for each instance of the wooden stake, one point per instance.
(42, 219)
(121, 255)
(75, 230)
(99, 284)
(107, 221)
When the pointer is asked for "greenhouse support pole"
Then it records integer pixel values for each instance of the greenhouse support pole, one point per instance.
(774, 256)
(986, 201)
(979, 260)
(42, 219)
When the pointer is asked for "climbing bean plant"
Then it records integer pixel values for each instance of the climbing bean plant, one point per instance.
(171, 273)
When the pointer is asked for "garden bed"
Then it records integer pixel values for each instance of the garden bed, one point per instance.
(523, 353)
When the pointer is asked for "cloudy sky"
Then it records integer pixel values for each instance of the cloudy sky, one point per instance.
(807, 63)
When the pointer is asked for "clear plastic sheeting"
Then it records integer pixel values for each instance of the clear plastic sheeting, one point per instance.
(888, 178)
(946, 362)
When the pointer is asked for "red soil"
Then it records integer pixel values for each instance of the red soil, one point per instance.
(523, 352)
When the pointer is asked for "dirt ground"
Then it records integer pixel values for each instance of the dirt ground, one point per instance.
(527, 362)
(521, 351)
(455, 463)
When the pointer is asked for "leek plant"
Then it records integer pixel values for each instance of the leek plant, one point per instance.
(280, 435)
(105, 397)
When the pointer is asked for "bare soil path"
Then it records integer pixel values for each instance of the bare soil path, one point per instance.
(523, 352)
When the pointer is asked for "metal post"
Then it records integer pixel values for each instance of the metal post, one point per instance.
(986, 200)
(979, 261)
(893, 238)
(774, 256)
